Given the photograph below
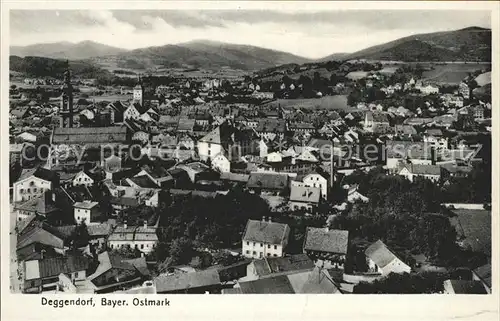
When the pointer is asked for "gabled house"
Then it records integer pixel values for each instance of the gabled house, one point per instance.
(142, 238)
(33, 183)
(304, 197)
(43, 274)
(269, 183)
(225, 139)
(381, 260)
(264, 238)
(115, 272)
(431, 172)
(327, 248)
(201, 282)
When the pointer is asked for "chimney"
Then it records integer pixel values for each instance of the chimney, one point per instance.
(145, 224)
(125, 225)
(263, 218)
(269, 219)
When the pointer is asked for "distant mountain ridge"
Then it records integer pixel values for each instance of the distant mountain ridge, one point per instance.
(468, 44)
(204, 54)
(66, 50)
(198, 54)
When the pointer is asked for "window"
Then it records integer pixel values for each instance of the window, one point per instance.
(275, 247)
(35, 190)
(248, 243)
(253, 243)
(268, 254)
(261, 254)
(76, 274)
(268, 246)
(275, 255)
(21, 190)
(254, 253)
(248, 252)
(261, 245)
(142, 246)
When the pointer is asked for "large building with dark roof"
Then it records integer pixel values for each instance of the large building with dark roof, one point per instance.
(327, 247)
(265, 239)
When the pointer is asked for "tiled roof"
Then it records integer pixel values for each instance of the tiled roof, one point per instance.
(54, 266)
(466, 287)
(275, 285)
(40, 205)
(90, 135)
(131, 233)
(271, 126)
(39, 234)
(143, 181)
(266, 232)
(420, 169)
(299, 193)
(380, 254)
(484, 273)
(184, 281)
(268, 180)
(333, 241)
(270, 265)
(85, 204)
(41, 173)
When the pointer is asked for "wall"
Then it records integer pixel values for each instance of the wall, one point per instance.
(356, 278)
(260, 247)
(316, 180)
(32, 187)
(395, 266)
(208, 151)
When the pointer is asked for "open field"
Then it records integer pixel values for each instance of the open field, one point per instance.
(452, 73)
(338, 102)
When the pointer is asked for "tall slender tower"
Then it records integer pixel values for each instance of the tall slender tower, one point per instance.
(139, 92)
(66, 110)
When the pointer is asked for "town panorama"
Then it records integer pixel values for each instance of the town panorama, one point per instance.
(210, 167)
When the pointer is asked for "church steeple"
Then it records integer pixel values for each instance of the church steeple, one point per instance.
(139, 92)
(66, 110)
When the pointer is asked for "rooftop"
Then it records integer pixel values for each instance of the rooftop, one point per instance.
(323, 240)
(266, 232)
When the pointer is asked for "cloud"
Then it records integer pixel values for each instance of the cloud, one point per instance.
(307, 33)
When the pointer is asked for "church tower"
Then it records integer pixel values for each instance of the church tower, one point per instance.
(66, 110)
(139, 93)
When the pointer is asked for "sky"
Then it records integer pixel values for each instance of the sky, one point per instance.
(311, 34)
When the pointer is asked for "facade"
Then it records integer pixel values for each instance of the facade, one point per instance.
(33, 183)
(83, 178)
(381, 260)
(327, 248)
(304, 197)
(265, 239)
(86, 211)
(221, 163)
(317, 180)
(431, 172)
(43, 274)
(142, 238)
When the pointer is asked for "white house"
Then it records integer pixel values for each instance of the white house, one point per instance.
(382, 260)
(33, 183)
(221, 163)
(431, 172)
(86, 211)
(274, 157)
(316, 180)
(83, 178)
(142, 238)
(304, 197)
(263, 149)
(138, 93)
(210, 145)
(265, 238)
(133, 111)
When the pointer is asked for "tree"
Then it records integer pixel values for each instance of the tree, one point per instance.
(80, 236)
(181, 251)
